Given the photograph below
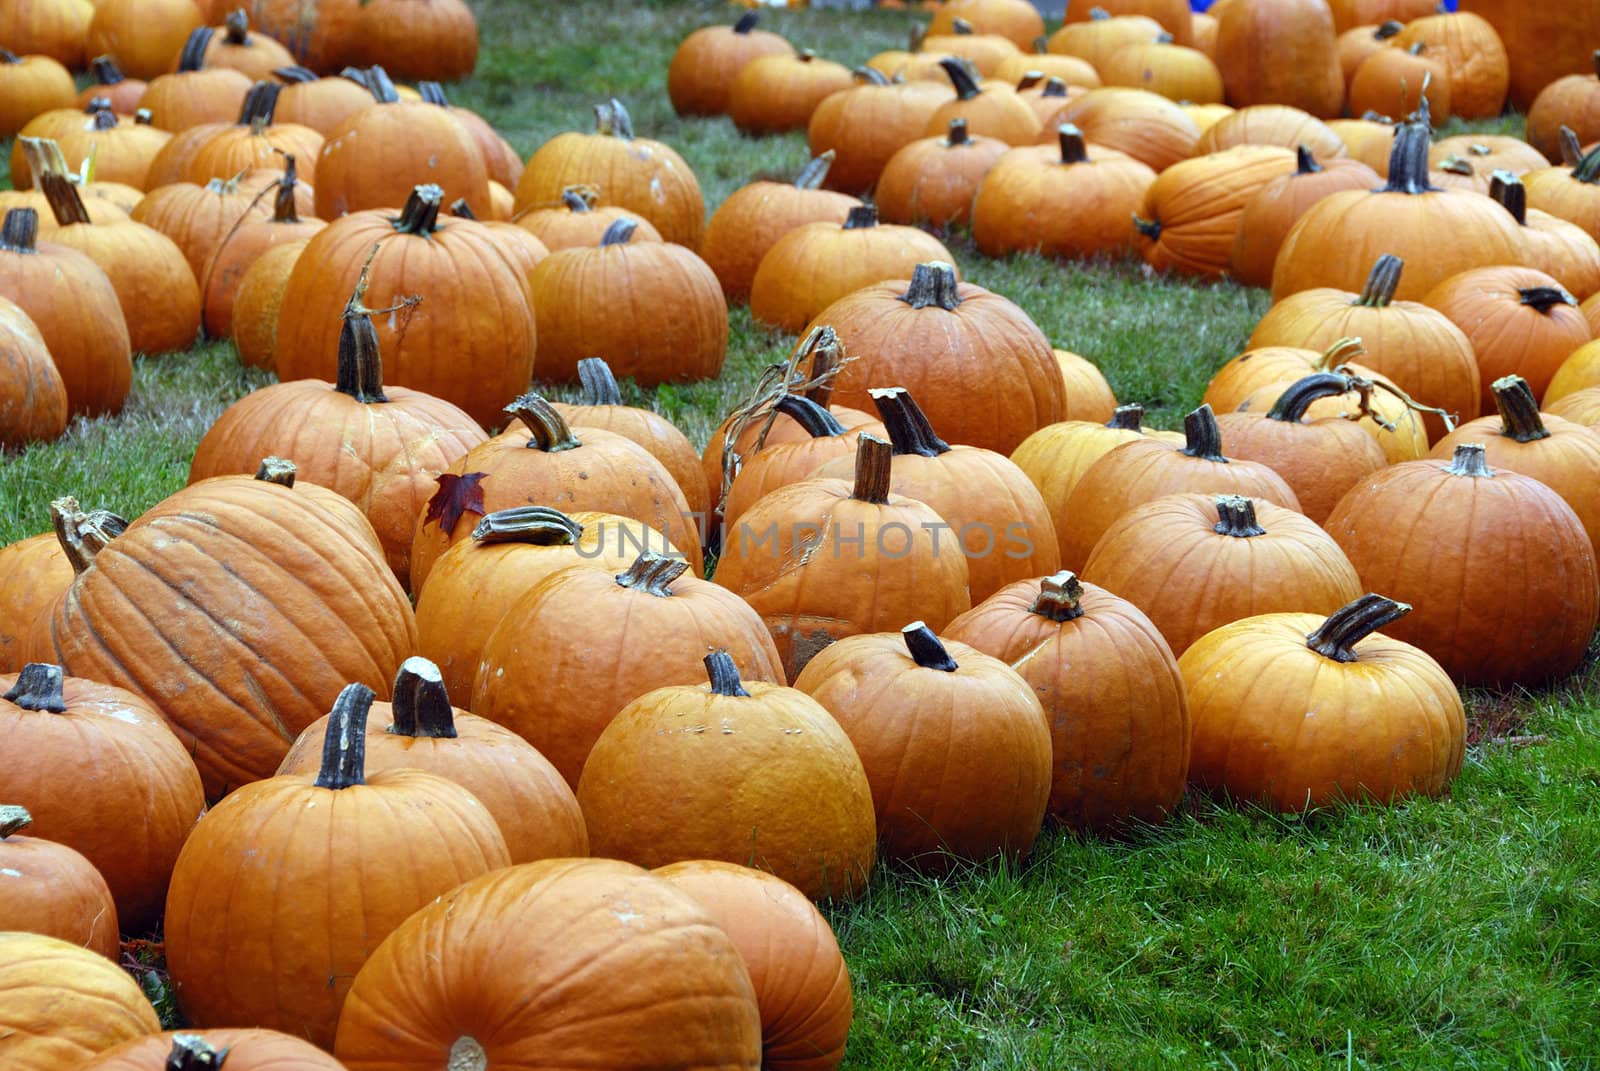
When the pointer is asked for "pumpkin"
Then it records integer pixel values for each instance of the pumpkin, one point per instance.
(755, 216)
(1393, 81)
(1271, 124)
(605, 965)
(576, 220)
(705, 63)
(1569, 192)
(1444, 535)
(1561, 454)
(1018, 205)
(71, 301)
(243, 245)
(797, 804)
(990, 110)
(255, 141)
(193, 94)
(1362, 40)
(983, 371)
(558, 686)
(421, 40)
(782, 463)
(1349, 714)
(1520, 322)
(33, 399)
(1173, 16)
(30, 85)
(459, 271)
(800, 979)
(1571, 101)
(1473, 55)
(1194, 562)
(107, 80)
(1098, 38)
(1541, 43)
(318, 33)
(1273, 210)
(1369, 140)
(865, 126)
(55, 28)
(816, 264)
(53, 890)
(123, 149)
(253, 54)
(612, 301)
(780, 91)
(1089, 396)
(319, 103)
(33, 574)
(143, 36)
(1436, 232)
(1147, 468)
(1579, 407)
(105, 777)
(1067, 69)
(511, 551)
(637, 174)
(984, 51)
(544, 462)
(199, 218)
(1280, 52)
(1048, 96)
(825, 558)
(1174, 71)
(1109, 687)
(41, 978)
(1191, 212)
(1490, 152)
(1148, 127)
(244, 1049)
(1564, 251)
(258, 303)
(377, 847)
(1349, 13)
(1016, 20)
(992, 511)
(933, 180)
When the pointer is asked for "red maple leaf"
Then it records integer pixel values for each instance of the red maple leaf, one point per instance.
(457, 494)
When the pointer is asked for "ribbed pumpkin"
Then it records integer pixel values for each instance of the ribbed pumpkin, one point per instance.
(779, 92)
(797, 804)
(1446, 535)
(33, 574)
(1473, 54)
(463, 278)
(1172, 70)
(1111, 694)
(1173, 16)
(65, 1004)
(1579, 371)
(908, 701)
(1349, 13)
(933, 180)
(1348, 716)
(605, 965)
(100, 773)
(259, 301)
(643, 176)
(816, 264)
(1097, 37)
(866, 125)
(533, 807)
(577, 220)
(1580, 407)
(1148, 127)
(983, 51)
(1271, 124)
(1564, 251)
(194, 94)
(199, 218)
(990, 110)
(257, 141)
(1275, 208)
(705, 63)
(755, 216)
(320, 103)
(1437, 232)
(1089, 396)
(55, 28)
(1570, 191)
(242, 247)
(1016, 20)
(1191, 212)
(143, 36)
(1541, 43)
(543, 462)
(108, 81)
(1049, 96)
(801, 983)
(253, 54)
(73, 304)
(53, 890)
(1018, 205)
(30, 85)
(1369, 140)
(244, 1049)
(1358, 41)
(1195, 562)
(33, 399)
(422, 39)
(123, 148)
(558, 684)
(779, 464)
(824, 558)
(1280, 52)
(1393, 81)
(377, 848)
(1521, 322)
(1572, 101)
(980, 368)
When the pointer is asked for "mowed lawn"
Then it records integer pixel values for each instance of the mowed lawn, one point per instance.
(1463, 932)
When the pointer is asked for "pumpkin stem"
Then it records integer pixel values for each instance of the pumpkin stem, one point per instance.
(926, 650)
(1519, 410)
(1457, 165)
(360, 359)
(612, 119)
(1510, 194)
(13, 819)
(870, 75)
(1343, 350)
(1587, 169)
(358, 76)
(1054, 87)
(826, 355)
(874, 468)
(1337, 637)
(1392, 28)
(599, 385)
(1408, 159)
(1073, 150)
(910, 431)
(620, 232)
(861, 216)
(536, 525)
(816, 421)
(1202, 436)
(1382, 281)
(283, 207)
(20, 231)
(421, 704)
(378, 82)
(39, 687)
(1292, 404)
(83, 535)
(747, 22)
(62, 196)
(237, 26)
(1545, 298)
(1236, 517)
(420, 216)
(1128, 417)
(432, 93)
(1029, 79)
(933, 283)
(193, 56)
(277, 470)
(1469, 460)
(653, 574)
(344, 748)
(960, 77)
(1150, 228)
(550, 430)
(1060, 597)
(813, 175)
(1306, 164)
(295, 75)
(461, 210)
(723, 674)
(104, 118)
(144, 117)
(957, 133)
(1571, 147)
(578, 198)
(105, 71)
(191, 1052)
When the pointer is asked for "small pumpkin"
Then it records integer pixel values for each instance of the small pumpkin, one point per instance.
(705, 63)
(1393, 81)
(1273, 210)
(1564, 251)
(864, 126)
(30, 85)
(1190, 214)
(33, 398)
(779, 92)
(1148, 127)
(1572, 101)
(258, 303)
(193, 94)
(319, 103)
(990, 110)
(1473, 54)
(53, 890)
(577, 220)
(933, 180)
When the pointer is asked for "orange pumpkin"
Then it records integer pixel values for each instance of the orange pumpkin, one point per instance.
(1280, 52)
(933, 180)
(779, 92)
(705, 63)
(33, 399)
(1564, 251)
(1473, 54)
(1275, 208)
(39, 977)
(1191, 212)
(755, 216)
(53, 890)
(865, 126)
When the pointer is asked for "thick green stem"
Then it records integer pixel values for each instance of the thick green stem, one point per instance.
(723, 674)
(910, 431)
(461, 210)
(1236, 517)
(421, 703)
(535, 525)
(1519, 410)
(816, 421)
(871, 76)
(1337, 637)
(926, 650)
(39, 687)
(550, 431)
(344, 748)
(1060, 597)
(653, 574)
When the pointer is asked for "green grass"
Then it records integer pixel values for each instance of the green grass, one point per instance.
(1456, 933)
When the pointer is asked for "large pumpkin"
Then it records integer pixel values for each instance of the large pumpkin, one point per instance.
(1191, 212)
(1280, 52)
(243, 1049)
